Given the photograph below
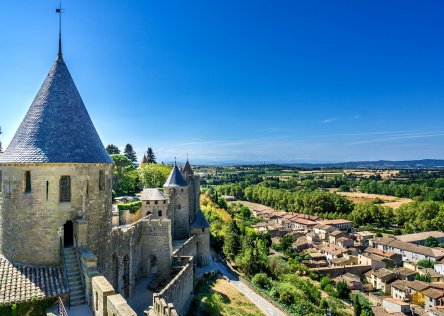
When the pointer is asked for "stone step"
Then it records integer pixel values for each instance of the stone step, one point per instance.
(75, 283)
(78, 302)
(75, 287)
(74, 279)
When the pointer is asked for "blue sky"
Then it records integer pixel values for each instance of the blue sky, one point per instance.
(240, 80)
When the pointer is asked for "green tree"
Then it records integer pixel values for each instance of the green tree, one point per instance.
(431, 242)
(130, 153)
(153, 175)
(125, 176)
(112, 149)
(232, 242)
(151, 158)
(342, 290)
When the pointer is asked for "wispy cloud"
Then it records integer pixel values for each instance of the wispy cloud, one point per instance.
(397, 137)
(329, 120)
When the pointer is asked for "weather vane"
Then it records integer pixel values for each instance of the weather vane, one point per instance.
(60, 11)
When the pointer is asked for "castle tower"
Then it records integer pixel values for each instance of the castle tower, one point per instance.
(193, 181)
(178, 211)
(55, 179)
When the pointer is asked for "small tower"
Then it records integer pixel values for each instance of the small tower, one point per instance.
(201, 229)
(193, 190)
(178, 211)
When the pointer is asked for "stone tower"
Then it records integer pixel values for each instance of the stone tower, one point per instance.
(55, 179)
(193, 189)
(178, 210)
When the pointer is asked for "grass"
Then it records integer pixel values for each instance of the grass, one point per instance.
(217, 296)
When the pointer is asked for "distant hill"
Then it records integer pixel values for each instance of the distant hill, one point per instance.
(379, 164)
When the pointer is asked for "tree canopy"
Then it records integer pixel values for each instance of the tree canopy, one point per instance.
(130, 153)
(112, 149)
(154, 175)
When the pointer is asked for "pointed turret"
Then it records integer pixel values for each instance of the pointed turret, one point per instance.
(175, 178)
(187, 170)
(57, 127)
(144, 159)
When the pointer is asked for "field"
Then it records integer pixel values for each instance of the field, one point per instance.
(392, 201)
(218, 297)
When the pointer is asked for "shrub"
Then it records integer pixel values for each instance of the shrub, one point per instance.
(132, 207)
(324, 282)
(262, 281)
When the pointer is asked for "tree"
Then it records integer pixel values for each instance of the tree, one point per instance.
(112, 149)
(431, 242)
(342, 289)
(151, 158)
(232, 243)
(130, 153)
(125, 176)
(153, 175)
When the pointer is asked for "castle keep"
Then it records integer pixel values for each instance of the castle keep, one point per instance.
(56, 215)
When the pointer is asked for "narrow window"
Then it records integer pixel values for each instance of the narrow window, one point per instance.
(147, 202)
(156, 202)
(97, 301)
(159, 213)
(47, 190)
(164, 202)
(1, 181)
(87, 188)
(65, 189)
(178, 207)
(27, 181)
(101, 180)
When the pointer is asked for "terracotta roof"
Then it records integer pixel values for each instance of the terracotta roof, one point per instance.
(19, 283)
(400, 285)
(382, 273)
(432, 293)
(57, 127)
(418, 286)
(405, 271)
(419, 236)
(334, 222)
(395, 243)
(380, 252)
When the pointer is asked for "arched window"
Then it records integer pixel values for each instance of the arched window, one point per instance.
(65, 189)
(159, 213)
(178, 207)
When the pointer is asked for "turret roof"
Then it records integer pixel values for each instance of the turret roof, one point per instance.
(175, 178)
(200, 221)
(187, 168)
(57, 127)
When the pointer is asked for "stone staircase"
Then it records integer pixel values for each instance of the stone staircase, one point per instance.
(76, 289)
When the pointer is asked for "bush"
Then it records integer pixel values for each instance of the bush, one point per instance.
(262, 281)
(342, 289)
(132, 207)
(325, 281)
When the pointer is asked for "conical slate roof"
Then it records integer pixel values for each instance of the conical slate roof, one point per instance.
(175, 178)
(200, 221)
(187, 168)
(57, 127)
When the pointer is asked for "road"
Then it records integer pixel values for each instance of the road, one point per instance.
(266, 307)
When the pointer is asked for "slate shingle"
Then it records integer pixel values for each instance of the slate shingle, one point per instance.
(57, 127)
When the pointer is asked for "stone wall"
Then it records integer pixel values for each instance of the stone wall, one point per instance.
(42, 210)
(202, 246)
(180, 290)
(141, 249)
(178, 211)
(126, 217)
(106, 302)
(188, 248)
(334, 272)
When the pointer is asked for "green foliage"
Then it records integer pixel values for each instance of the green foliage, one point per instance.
(263, 281)
(132, 207)
(253, 257)
(37, 307)
(426, 263)
(325, 281)
(112, 149)
(153, 175)
(343, 292)
(278, 267)
(361, 305)
(125, 176)
(130, 153)
(232, 241)
(423, 277)
(378, 215)
(151, 158)
(420, 216)
(431, 242)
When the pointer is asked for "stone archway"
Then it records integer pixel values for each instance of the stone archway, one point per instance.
(68, 234)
